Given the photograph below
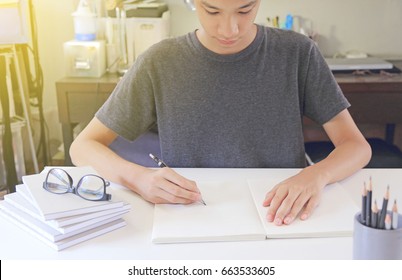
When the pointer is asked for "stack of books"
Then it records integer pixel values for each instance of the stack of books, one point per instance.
(61, 220)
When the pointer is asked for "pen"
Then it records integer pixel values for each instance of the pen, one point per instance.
(158, 161)
(161, 163)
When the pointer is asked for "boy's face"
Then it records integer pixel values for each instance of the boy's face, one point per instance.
(227, 25)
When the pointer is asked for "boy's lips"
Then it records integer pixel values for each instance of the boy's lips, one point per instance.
(227, 42)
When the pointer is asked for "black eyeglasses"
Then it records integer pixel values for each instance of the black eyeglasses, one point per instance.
(90, 187)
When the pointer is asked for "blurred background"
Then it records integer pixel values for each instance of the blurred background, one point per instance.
(46, 43)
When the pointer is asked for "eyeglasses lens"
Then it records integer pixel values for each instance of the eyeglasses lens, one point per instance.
(58, 181)
(91, 187)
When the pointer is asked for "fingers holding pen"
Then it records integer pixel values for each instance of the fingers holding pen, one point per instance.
(179, 187)
(166, 186)
(176, 187)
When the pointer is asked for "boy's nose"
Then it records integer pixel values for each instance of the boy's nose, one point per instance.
(228, 28)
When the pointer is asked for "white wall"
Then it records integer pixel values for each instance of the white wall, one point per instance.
(372, 26)
(54, 23)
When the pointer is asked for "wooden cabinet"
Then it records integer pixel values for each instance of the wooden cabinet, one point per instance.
(78, 99)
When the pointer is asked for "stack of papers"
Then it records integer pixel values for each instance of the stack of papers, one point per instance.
(62, 220)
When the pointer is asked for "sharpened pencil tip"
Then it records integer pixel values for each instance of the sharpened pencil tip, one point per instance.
(387, 193)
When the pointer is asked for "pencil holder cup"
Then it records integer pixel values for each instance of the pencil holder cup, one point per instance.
(376, 244)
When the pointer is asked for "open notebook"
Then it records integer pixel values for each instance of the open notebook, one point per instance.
(234, 212)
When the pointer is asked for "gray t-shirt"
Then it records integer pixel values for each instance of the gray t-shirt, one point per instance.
(239, 110)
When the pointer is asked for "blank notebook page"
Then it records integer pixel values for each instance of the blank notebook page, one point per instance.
(332, 217)
(229, 215)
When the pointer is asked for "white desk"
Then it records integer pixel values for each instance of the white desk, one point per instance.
(134, 241)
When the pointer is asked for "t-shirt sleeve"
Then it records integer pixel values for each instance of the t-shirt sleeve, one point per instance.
(130, 109)
(323, 98)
